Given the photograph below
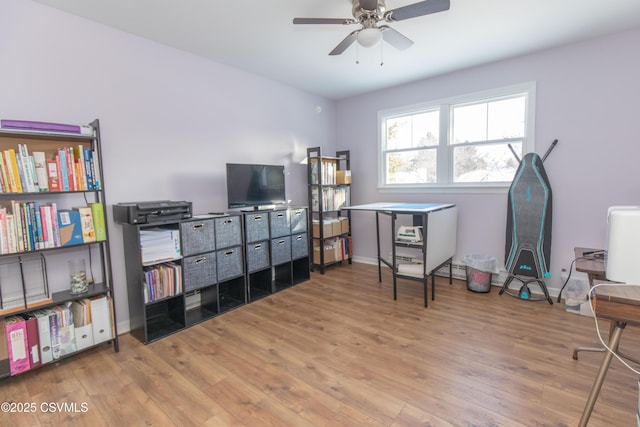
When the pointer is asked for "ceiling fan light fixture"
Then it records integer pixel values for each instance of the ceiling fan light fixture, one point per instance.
(368, 37)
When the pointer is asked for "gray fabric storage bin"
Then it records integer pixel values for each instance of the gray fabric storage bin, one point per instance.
(228, 231)
(197, 237)
(298, 220)
(299, 246)
(199, 271)
(280, 250)
(229, 263)
(279, 223)
(257, 256)
(256, 226)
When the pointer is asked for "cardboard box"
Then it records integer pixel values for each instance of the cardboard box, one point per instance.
(336, 228)
(343, 177)
(344, 225)
(327, 228)
(329, 254)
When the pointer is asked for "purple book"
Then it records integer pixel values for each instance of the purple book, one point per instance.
(39, 126)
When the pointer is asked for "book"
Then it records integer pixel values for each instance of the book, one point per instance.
(33, 340)
(27, 175)
(53, 330)
(53, 175)
(4, 350)
(61, 160)
(12, 170)
(97, 210)
(96, 171)
(16, 335)
(71, 168)
(66, 330)
(87, 225)
(3, 173)
(4, 239)
(40, 165)
(70, 227)
(88, 169)
(44, 335)
(81, 173)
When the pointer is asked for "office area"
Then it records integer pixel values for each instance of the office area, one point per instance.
(166, 133)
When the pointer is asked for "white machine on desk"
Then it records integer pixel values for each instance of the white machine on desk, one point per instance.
(409, 234)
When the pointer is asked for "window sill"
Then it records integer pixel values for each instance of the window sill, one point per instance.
(501, 188)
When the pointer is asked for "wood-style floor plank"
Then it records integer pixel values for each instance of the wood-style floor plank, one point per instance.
(337, 350)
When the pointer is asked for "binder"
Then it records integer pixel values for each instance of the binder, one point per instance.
(16, 333)
(4, 350)
(66, 331)
(101, 319)
(33, 340)
(82, 323)
(53, 328)
(44, 335)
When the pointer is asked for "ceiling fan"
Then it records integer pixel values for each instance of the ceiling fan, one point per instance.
(369, 13)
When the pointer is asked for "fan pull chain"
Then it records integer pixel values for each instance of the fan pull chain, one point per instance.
(381, 54)
(357, 54)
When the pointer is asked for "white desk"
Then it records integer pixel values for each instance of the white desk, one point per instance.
(439, 222)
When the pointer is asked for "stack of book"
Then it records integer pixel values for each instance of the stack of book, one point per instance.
(29, 226)
(71, 168)
(159, 244)
(161, 281)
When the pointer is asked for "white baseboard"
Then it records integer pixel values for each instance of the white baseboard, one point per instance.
(459, 271)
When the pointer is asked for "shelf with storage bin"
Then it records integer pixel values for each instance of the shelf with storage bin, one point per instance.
(35, 246)
(197, 237)
(329, 192)
(277, 251)
(232, 290)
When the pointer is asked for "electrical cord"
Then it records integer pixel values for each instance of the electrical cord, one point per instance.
(593, 256)
(602, 341)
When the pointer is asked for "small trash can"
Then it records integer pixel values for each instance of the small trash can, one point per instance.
(479, 271)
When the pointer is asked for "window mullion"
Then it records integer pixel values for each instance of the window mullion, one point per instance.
(445, 159)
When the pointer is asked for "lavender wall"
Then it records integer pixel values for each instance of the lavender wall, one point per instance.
(587, 98)
(170, 120)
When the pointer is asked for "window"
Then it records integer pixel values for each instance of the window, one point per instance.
(469, 141)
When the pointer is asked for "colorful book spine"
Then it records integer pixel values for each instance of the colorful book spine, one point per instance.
(97, 211)
(53, 175)
(61, 159)
(88, 228)
(88, 168)
(16, 335)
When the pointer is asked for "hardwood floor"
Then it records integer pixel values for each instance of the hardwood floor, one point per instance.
(337, 350)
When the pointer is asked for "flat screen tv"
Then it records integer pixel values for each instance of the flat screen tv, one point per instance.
(251, 185)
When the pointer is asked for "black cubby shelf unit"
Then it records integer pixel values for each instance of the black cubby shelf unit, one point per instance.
(36, 193)
(203, 258)
(277, 250)
(226, 260)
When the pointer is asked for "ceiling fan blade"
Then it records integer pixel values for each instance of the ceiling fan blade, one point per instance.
(417, 9)
(369, 4)
(344, 44)
(394, 38)
(345, 21)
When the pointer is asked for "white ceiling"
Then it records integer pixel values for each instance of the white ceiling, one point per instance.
(259, 37)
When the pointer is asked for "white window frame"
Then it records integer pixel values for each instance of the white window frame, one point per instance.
(445, 182)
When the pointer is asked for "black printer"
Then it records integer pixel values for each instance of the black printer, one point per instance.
(150, 212)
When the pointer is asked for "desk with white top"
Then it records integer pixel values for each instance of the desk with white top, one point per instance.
(439, 228)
